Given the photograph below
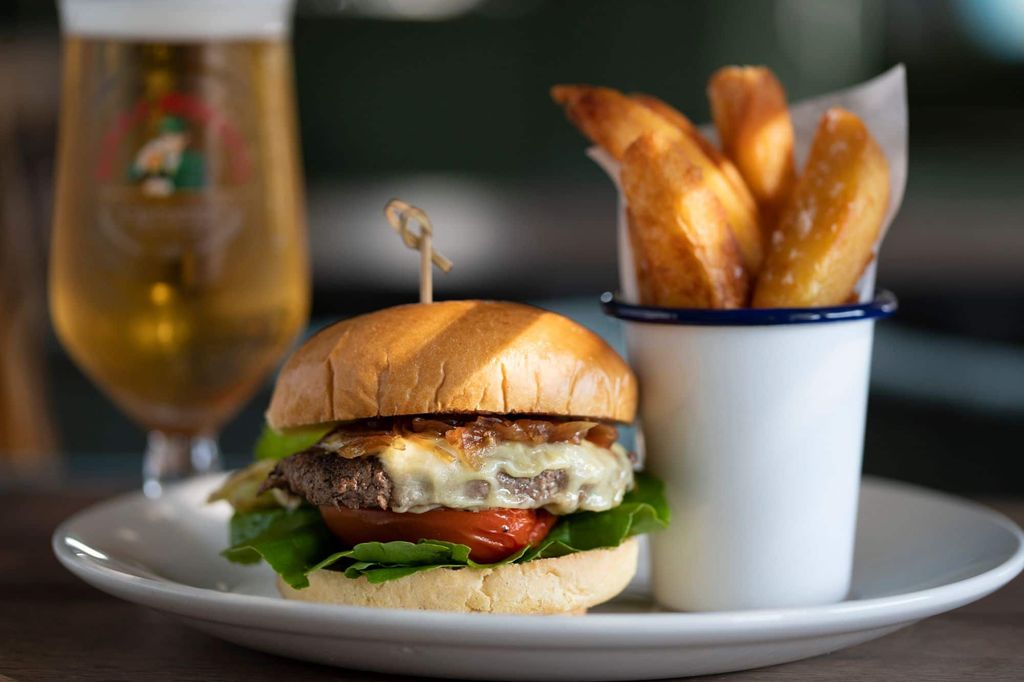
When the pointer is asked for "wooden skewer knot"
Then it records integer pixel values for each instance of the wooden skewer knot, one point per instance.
(400, 215)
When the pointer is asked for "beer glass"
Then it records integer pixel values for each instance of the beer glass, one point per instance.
(179, 271)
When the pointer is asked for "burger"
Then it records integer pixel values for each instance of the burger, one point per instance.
(458, 456)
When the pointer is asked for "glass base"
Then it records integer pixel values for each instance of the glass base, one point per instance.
(171, 457)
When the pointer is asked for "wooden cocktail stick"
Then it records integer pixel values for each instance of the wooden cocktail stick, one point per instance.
(400, 214)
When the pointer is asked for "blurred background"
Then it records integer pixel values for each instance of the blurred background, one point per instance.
(444, 103)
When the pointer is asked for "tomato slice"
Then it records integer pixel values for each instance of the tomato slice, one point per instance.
(491, 535)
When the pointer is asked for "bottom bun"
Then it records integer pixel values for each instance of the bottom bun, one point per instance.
(568, 584)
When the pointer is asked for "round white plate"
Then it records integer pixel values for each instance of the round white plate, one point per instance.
(918, 554)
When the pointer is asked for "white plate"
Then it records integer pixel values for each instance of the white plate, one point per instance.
(918, 554)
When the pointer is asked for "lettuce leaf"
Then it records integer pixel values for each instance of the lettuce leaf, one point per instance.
(383, 561)
(291, 541)
(295, 543)
(643, 510)
(241, 489)
(279, 444)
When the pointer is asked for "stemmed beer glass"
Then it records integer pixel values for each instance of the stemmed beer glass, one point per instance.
(179, 271)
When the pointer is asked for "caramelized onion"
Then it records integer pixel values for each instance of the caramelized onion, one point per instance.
(603, 435)
(351, 446)
(432, 426)
(467, 438)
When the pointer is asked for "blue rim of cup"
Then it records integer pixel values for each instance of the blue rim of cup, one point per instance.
(883, 305)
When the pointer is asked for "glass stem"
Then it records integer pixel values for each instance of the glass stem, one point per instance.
(174, 456)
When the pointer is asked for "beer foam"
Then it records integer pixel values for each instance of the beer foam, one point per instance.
(176, 20)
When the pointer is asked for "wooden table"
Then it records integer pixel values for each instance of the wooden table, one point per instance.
(55, 627)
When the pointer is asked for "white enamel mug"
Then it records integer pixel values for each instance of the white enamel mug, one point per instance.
(754, 419)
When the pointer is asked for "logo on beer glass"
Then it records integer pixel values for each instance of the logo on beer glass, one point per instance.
(174, 176)
(168, 162)
(167, 138)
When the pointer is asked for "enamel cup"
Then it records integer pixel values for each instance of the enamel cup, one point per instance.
(754, 419)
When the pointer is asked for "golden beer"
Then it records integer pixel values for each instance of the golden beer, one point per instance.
(179, 269)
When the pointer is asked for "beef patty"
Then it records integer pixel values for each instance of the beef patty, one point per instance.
(323, 477)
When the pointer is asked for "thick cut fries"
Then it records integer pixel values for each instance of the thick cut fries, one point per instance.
(608, 118)
(684, 124)
(684, 253)
(749, 108)
(680, 120)
(614, 121)
(828, 228)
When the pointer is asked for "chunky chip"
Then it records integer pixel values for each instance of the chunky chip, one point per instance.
(679, 119)
(614, 121)
(748, 105)
(829, 226)
(685, 254)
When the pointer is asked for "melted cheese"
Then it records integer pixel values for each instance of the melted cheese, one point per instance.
(425, 475)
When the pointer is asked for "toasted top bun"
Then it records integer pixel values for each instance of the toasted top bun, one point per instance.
(565, 585)
(453, 357)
